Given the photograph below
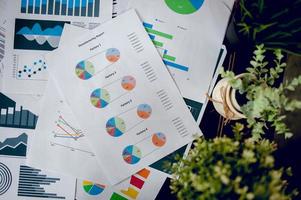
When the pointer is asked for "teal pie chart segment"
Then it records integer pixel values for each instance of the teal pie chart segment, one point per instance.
(184, 7)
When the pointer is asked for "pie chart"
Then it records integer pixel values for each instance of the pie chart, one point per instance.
(100, 98)
(115, 126)
(84, 70)
(128, 83)
(144, 111)
(159, 139)
(112, 55)
(131, 154)
(93, 188)
(184, 7)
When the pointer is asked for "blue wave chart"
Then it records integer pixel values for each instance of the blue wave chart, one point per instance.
(14, 146)
(14, 116)
(83, 8)
(31, 182)
(37, 34)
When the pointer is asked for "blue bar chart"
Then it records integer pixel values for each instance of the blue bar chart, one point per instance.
(15, 116)
(37, 7)
(31, 181)
(169, 61)
(83, 8)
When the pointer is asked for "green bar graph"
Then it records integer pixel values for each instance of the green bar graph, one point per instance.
(161, 34)
(157, 43)
(167, 57)
(116, 196)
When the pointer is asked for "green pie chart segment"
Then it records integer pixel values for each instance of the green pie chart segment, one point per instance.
(100, 98)
(184, 7)
(84, 70)
(131, 154)
(115, 126)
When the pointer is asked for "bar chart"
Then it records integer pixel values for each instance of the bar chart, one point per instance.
(31, 181)
(83, 8)
(168, 60)
(15, 116)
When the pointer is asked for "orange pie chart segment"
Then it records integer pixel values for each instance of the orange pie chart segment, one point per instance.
(159, 139)
(144, 111)
(112, 55)
(128, 83)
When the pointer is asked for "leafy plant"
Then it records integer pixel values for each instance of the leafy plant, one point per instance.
(273, 23)
(225, 168)
(266, 102)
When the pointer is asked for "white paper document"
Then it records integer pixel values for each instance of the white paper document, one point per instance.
(144, 184)
(22, 182)
(34, 28)
(122, 95)
(188, 34)
(59, 143)
(18, 119)
(119, 6)
(18, 181)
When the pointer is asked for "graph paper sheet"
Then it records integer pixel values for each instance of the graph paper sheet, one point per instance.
(35, 27)
(122, 91)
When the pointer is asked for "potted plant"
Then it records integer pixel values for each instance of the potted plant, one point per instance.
(264, 102)
(225, 168)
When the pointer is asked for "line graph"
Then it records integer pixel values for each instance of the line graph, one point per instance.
(15, 146)
(66, 130)
(66, 134)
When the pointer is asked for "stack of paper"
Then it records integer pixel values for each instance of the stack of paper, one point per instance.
(92, 107)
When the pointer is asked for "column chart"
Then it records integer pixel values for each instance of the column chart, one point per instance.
(83, 8)
(14, 116)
